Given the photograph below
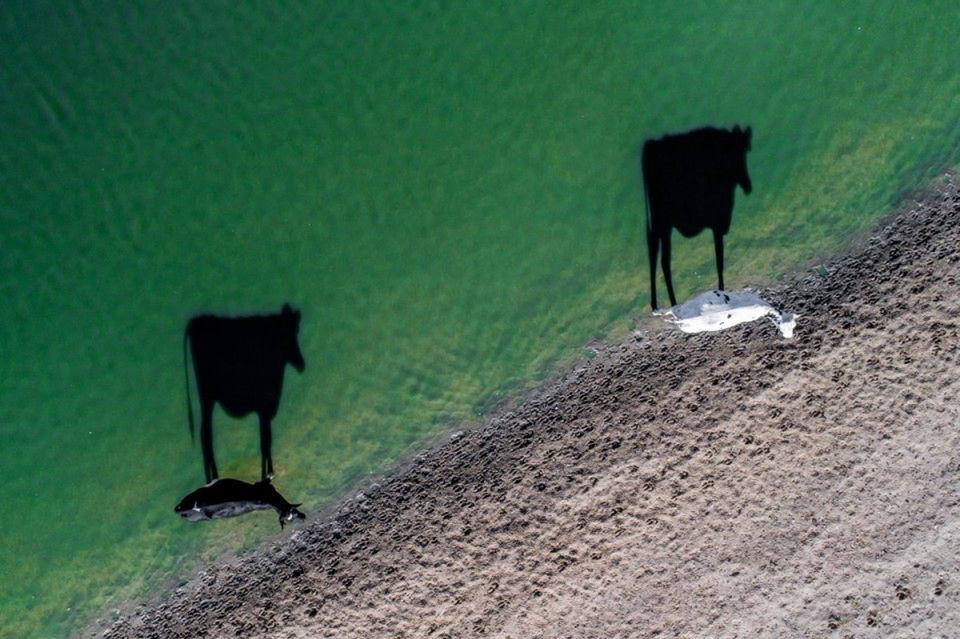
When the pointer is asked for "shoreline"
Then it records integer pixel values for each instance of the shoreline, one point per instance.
(718, 484)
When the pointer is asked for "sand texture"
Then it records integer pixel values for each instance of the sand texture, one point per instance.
(732, 484)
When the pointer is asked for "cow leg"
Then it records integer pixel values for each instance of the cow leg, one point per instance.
(665, 264)
(718, 247)
(652, 240)
(206, 440)
(266, 459)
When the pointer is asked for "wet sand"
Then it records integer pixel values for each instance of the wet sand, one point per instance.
(728, 484)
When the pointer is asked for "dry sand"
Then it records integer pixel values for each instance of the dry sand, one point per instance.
(719, 485)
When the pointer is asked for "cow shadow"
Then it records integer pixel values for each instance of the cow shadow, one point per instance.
(239, 362)
(689, 183)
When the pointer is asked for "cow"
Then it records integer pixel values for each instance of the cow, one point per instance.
(239, 363)
(689, 182)
(222, 498)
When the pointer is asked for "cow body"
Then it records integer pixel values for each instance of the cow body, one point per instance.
(689, 181)
(223, 498)
(239, 363)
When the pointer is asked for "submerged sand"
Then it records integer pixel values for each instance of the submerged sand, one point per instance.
(725, 484)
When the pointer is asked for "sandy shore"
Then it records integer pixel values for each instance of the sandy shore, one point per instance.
(718, 485)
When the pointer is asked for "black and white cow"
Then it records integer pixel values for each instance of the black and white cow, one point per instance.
(231, 497)
(239, 363)
(689, 180)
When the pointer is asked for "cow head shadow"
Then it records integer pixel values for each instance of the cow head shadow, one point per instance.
(689, 182)
(239, 362)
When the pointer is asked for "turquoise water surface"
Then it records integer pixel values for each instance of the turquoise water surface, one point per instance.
(448, 191)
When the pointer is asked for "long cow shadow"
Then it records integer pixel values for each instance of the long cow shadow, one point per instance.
(239, 363)
(689, 183)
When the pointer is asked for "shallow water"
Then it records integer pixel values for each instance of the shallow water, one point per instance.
(450, 195)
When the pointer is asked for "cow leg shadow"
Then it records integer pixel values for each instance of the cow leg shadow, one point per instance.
(652, 243)
(718, 247)
(665, 264)
(206, 440)
(266, 457)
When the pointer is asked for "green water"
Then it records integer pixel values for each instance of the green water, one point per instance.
(449, 193)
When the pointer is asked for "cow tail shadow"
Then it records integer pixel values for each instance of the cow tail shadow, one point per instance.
(186, 376)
